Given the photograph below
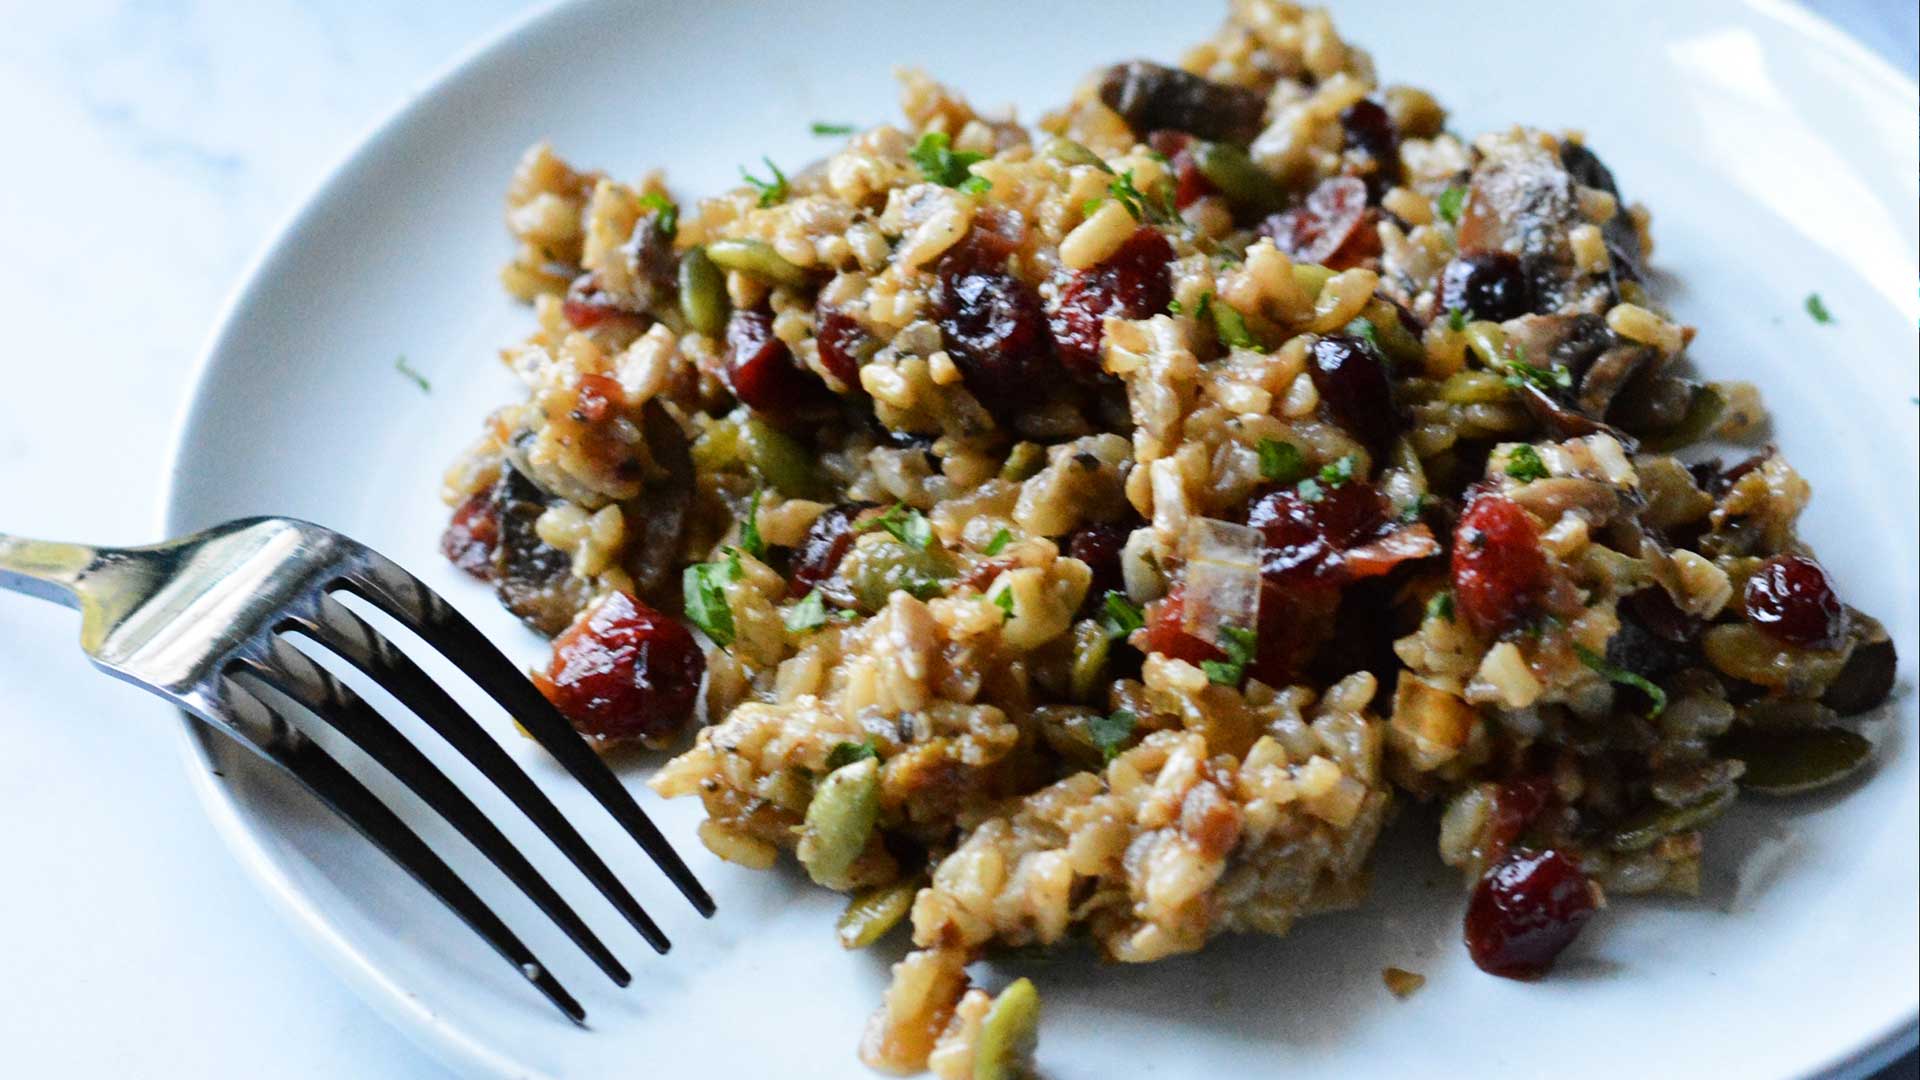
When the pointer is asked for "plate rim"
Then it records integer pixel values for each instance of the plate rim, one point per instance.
(441, 1038)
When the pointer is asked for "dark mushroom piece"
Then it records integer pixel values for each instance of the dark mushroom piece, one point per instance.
(1150, 97)
(1622, 239)
(657, 518)
(534, 579)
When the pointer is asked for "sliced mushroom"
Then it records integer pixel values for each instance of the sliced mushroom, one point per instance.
(657, 519)
(534, 579)
(1152, 98)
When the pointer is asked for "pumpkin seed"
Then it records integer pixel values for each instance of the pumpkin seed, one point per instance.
(1747, 652)
(758, 258)
(703, 293)
(781, 461)
(1068, 152)
(1703, 411)
(1489, 342)
(1023, 461)
(872, 913)
(1091, 645)
(1243, 182)
(1474, 388)
(1644, 829)
(1008, 1034)
(1794, 762)
(876, 568)
(840, 818)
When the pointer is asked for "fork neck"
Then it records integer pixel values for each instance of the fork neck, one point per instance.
(42, 568)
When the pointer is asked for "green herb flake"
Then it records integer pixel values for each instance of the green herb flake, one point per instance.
(1240, 644)
(905, 524)
(406, 370)
(750, 540)
(772, 192)
(940, 163)
(1337, 473)
(1617, 674)
(1110, 733)
(1817, 309)
(1004, 601)
(1175, 307)
(1230, 325)
(1458, 318)
(669, 213)
(1120, 615)
(1281, 462)
(832, 129)
(844, 754)
(1414, 509)
(1521, 374)
(999, 542)
(705, 588)
(809, 614)
(1524, 464)
(1364, 329)
(1450, 203)
(1156, 208)
(1440, 606)
(1310, 490)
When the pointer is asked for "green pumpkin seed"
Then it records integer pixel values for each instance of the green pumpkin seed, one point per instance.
(1747, 652)
(1024, 460)
(880, 566)
(1489, 342)
(1794, 762)
(872, 913)
(1703, 412)
(1644, 829)
(1091, 646)
(1068, 152)
(1471, 387)
(1009, 1034)
(840, 818)
(758, 258)
(1238, 177)
(703, 293)
(781, 461)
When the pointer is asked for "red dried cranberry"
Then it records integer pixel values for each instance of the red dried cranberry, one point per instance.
(1303, 539)
(762, 373)
(594, 398)
(472, 535)
(1334, 227)
(586, 305)
(1189, 184)
(1351, 376)
(1165, 634)
(1295, 617)
(1099, 546)
(993, 324)
(1366, 127)
(843, 343)
(1490, 284)
(1499, 569)
(1131, 284)
(1516, 806)
(825, 544)
(624, 671)
(1792, 598)
(1525, 911)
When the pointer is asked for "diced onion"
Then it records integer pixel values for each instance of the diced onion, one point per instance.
(1222, 580)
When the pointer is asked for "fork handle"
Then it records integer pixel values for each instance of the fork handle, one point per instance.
(43, 568)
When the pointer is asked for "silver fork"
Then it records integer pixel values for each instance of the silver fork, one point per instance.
(203, 622)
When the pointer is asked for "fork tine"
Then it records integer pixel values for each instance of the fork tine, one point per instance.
(405, 597)
(336, 788)
(294, 674)
(348, 635)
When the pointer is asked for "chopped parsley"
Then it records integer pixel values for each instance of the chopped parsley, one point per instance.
(705, 589)
(1440, 606)
(940, 163)
(1817, 308)
(1521, 374)
(809, 614)
(669, 213)
(1155, 209)
(1229, 324)
(1458, 318)
(1004, 601)
(1364, 329)
(832, 129)
(1450, 202)
(1314, 488)
(1524, 464)
(1110, 733)
(1414, 508)
(1281, 462)
(1240, 644)
(405, 369)
(1120, 616)
(1617, 674)
(907, 525)
(1310, 490)
(844, 754)
(1175, 307)
(750, 541)
(999, 542)
(772, 192)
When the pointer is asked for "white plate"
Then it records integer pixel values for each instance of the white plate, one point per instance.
(1778, 158)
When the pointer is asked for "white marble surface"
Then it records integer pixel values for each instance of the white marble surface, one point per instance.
(154, 147)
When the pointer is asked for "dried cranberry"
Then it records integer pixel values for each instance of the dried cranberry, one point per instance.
(1295, 617)
(1189, 183)
(587, 305)
(1302, 539)
(472, 535)
(1499, 569)
(1515, 807)
(1366, 127)
(1131, 284)
(1525, 911)
(1099, 546)
(993, 324)
(595, 397)
(1334, 227)
(1490, 284)
(624, 671)
(843, 343)
(1792, 598)
(1150, 97)
(1351, 376)
(1165, 633)
(825, 544)
(762, 373)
